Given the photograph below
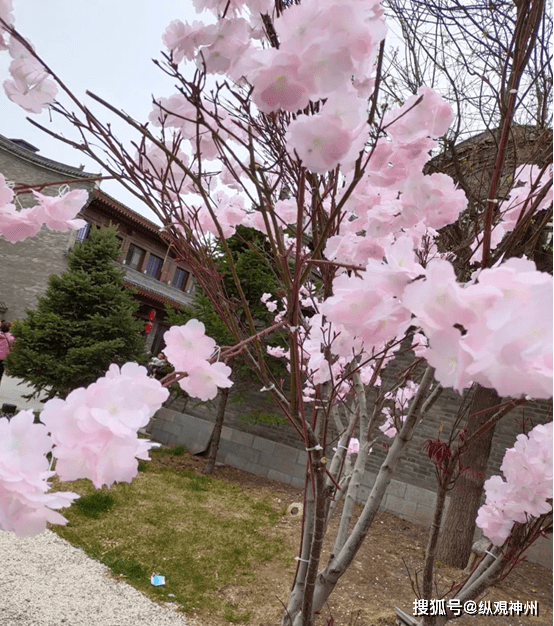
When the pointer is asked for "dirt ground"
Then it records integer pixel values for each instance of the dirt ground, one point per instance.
(377, 582)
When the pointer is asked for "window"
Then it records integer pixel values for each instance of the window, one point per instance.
(154, 266)
(180, 279)
(135, 257)
(83, 232)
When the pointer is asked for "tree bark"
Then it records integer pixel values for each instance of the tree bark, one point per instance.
(459, 525)
(216, 434)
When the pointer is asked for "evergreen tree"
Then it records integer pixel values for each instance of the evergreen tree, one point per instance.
(82, 324)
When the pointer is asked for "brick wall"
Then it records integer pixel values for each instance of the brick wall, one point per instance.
(415, 468)
(27, 265)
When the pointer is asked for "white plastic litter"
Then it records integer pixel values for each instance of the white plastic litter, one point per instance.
(157, 580)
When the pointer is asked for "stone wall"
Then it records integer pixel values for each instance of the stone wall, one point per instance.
(415, 468)
(27, 265)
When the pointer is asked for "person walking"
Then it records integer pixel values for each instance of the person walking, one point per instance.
(6, 342)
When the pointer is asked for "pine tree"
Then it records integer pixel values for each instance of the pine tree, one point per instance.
(82, 324)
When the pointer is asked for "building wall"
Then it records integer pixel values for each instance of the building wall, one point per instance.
(415, 468)
(27, 265)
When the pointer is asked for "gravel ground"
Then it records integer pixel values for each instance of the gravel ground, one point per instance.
(45, 581)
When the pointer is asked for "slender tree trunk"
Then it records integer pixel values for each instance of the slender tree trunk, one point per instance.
(339, 563)
(216, 434)
(459, 525)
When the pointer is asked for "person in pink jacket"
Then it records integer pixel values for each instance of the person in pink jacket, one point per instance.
(6, 342)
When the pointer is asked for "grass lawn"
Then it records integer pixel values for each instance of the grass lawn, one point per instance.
(201, 533)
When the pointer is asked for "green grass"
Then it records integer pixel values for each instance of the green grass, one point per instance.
(95, 504)
(199, 532)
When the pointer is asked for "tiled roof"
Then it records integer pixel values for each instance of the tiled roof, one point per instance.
(120, 209)
(149, 286)
(28, 155)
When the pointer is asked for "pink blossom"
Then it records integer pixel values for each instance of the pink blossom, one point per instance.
(229, 44)
(353, 446)
(399, 270)
(320, 141)
(95, 429)
(277, 84)
(57, 212)
(175, 112)
(420, 345)
(430, 118)
(324, 66)
(348, 108)
(352, 249)
(183, 40)
(527, 489)
(166, 169)
(278, 352)
(435, 198)
(371, 314)
(204, 379)
(6, 194)
(494, 524)
(18, 225)
(286, 211)
(25, 507)
(188, 346)
(34, 98)
(449, 359)
(270, 304)
(438, 301)
(30, 86)
(6, 13)
(511, 339)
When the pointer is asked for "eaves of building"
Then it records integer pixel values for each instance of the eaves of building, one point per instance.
(156, 290)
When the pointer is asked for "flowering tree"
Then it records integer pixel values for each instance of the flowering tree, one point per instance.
(289, 138)
(461, 48)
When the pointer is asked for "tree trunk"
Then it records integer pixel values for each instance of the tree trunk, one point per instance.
(216, 434)
(465, 499)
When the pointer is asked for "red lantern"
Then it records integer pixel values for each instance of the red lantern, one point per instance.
(148, 327)
(152, 315)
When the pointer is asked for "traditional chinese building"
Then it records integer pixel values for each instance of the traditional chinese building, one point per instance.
(150, 267)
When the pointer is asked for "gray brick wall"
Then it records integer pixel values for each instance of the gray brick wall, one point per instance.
(27, 265)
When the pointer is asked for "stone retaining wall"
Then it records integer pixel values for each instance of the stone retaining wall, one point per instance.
(276, 461)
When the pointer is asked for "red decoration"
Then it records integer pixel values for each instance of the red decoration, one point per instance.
(148, 327)
(152, 315)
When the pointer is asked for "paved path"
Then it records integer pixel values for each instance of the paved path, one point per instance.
(11, 391)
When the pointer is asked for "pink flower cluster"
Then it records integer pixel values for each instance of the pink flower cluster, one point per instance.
(215, 47)
(25, 507)
(30, 85)
(6, 13)
(527, 468)
(57, 213)
(189, 349)
(95, 429)
(324, 46)
(532, 180)
(491, 330)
